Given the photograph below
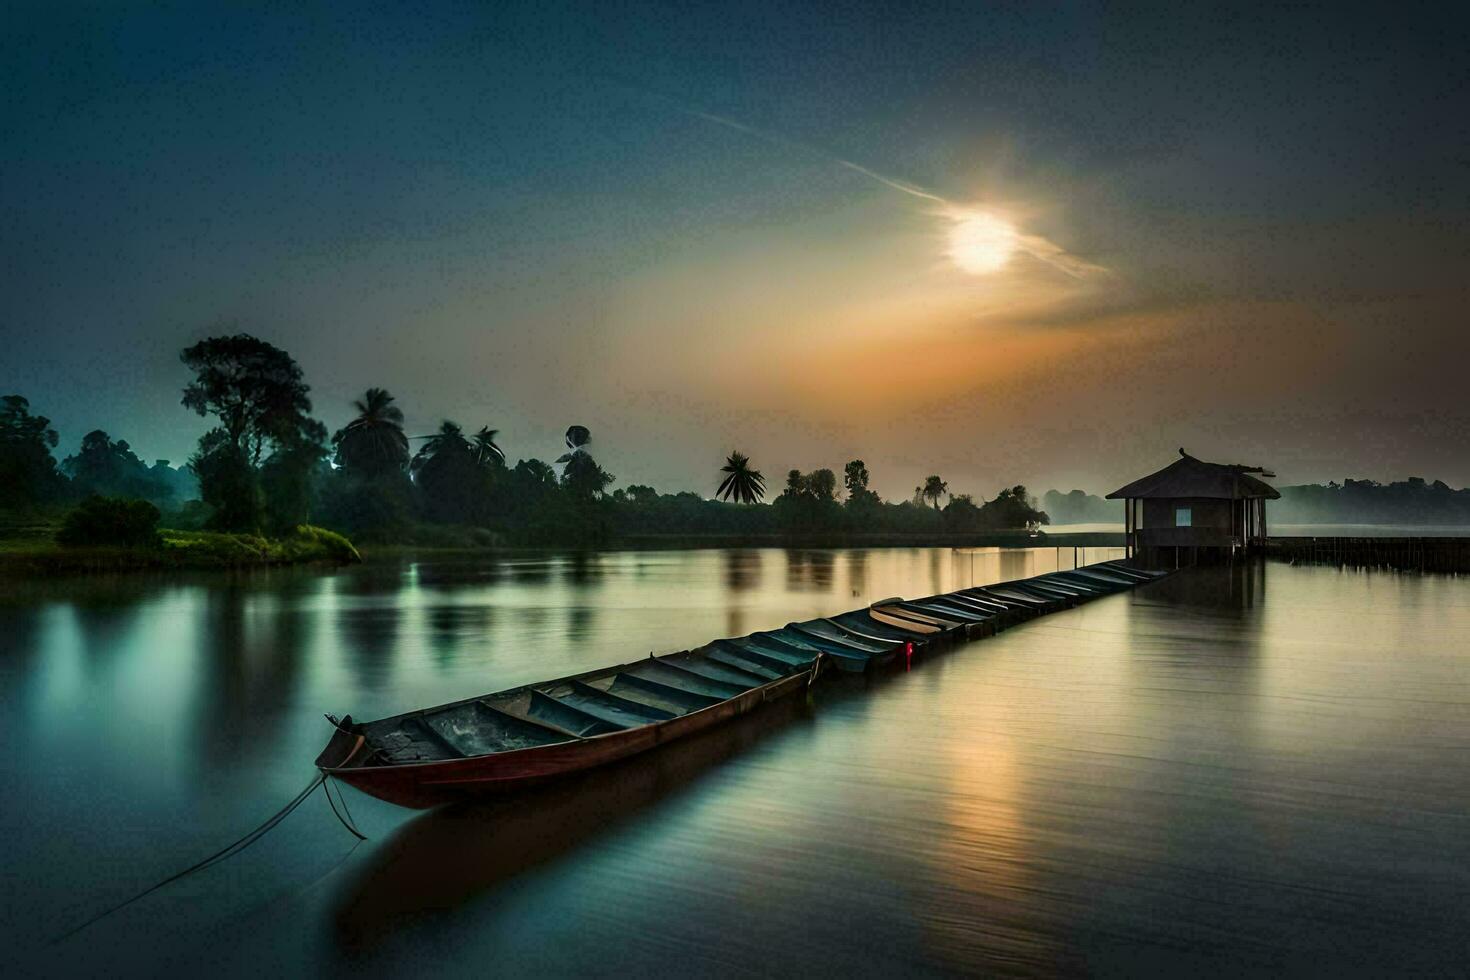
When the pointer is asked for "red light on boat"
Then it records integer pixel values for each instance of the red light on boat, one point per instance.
(908, 654)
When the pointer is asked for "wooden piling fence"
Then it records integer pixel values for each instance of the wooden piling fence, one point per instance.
(1405, 553)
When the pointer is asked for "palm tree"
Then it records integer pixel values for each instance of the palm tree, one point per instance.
(448, 441)
(454, 485)
(373, 442)
(580, 474)
(486, 452)
(743, 483)
(933, 489)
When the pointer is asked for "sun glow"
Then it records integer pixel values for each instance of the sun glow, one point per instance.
(980, 242)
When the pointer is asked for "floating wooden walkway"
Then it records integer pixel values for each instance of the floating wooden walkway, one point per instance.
(1404, 553)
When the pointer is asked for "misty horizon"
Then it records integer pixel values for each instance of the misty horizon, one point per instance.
(422, 425)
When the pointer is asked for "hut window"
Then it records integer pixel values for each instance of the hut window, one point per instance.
(1183, 516)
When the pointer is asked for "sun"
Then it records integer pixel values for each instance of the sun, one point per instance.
(980, 242)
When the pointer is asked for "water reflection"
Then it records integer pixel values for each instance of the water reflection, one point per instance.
(369, 629)
(1014, 564)
(446, 576)
(104, 622)
(1125, 786)
(809, 570)
(584, 568)
(531, 571)
(20, 637)
(742, 569)
(984, 867)
(581, 623)
(1238, 585)
(857, 572)
(450, 625)
(448, 857)
(251, 648)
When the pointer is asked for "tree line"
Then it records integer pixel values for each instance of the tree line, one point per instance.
(1414, 501)
(267, 465)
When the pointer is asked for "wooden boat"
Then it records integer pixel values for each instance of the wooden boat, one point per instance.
(927, 631)
(865, 627)
(533, 733)
(1013, 596)
(850, 654)
(907, 610)
(1049, 595)
(942, 607)
(1010, 605)
(1116, 582)
(986, 607)
(843, 658)
(976, 622)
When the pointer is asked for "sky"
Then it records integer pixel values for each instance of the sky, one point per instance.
(1001, 244)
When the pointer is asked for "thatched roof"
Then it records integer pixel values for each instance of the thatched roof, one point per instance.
(1189, 477)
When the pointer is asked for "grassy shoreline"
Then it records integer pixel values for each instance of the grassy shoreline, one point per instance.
(34, 553)
(388, 551)
(38, 554)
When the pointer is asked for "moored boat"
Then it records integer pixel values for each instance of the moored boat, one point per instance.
(850, 653)
(533, 733)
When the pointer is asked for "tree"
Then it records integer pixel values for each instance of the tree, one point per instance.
(111, 521)
(373, 443)
(1013, 508)
(173, 485)
(102, 466)
(537, 471)
(640, 495)
(855, 479)
(933, 489)
(744, 484)
(370, 489)
(584, 479)
(581, 476)
(27, 469)
(455, 485)
(290, 478)
(448, 441)
(253, 388)
(809, 502)
(822, 484)
(257, 393)
(487, 453)
(228, 482)
(961, 514)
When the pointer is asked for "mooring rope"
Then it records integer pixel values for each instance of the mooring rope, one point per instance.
(228, 851)
(347, 820)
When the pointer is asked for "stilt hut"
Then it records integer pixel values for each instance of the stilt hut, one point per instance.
(1192, 511)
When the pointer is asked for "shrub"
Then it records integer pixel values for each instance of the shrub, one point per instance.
(102, 521)
(308, 541)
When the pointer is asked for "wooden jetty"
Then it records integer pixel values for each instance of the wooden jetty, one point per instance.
(531, 734)
(1403, 553)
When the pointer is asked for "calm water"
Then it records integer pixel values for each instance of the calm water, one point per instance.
(1253, 772)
